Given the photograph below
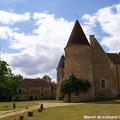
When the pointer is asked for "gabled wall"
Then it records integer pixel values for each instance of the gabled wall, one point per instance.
(102, 70)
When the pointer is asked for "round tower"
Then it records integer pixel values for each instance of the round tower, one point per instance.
(78, 59)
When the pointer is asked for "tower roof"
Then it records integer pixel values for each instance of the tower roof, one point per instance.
(61, 62)
(77, 35)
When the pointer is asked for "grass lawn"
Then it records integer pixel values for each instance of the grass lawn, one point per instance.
(9, 105)
(75, 112)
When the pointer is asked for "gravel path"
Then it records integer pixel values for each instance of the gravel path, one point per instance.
(22, 110)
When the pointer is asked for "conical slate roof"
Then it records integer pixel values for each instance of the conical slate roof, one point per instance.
(61, 62)
(77, 35)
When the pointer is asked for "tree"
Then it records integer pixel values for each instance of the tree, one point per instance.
(72, 84)
(47, 78)
(4, 71)
(13, 83)
(9, 82)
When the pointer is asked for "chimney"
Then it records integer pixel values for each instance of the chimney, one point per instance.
(91, 38)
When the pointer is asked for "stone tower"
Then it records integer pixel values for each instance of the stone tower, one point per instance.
(78, 60)
(89, 61)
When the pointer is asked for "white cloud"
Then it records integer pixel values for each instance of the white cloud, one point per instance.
(4, 31)
(109, 20)
(40, 51)
(11, 18)
(53, 29)
(90, 20)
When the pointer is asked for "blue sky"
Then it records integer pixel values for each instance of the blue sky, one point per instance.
(61, 8)
(33, 33)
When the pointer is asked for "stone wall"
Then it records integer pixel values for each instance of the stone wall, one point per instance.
(103, 69)
(78, 61)
(60, 76)
(36, 93)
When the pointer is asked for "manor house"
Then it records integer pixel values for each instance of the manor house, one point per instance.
(37, 89)
(89, 61)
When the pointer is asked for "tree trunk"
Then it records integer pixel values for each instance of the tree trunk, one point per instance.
(69, 97)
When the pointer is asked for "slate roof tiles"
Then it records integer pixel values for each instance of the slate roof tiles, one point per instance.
(77, 35)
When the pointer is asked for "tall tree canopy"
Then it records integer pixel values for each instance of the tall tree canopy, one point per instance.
(72, 84)
(9, 83)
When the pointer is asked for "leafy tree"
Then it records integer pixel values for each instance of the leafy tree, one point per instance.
(72, 84)
(4, 71)
(8, 83)
(47, 78)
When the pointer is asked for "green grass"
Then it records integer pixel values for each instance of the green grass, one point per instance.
(9, 105)
(22, 104)
(75, 112)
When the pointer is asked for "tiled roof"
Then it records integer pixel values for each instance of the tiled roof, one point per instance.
(77, 35)
(61, 62)
(34, 82)
(114, 57)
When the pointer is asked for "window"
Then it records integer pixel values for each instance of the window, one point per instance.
(69, 69)
(42, 95)
(20, 91)
(35, 97)
(51, 87)
(31, 97)
(76, 52)
(89, 74)
(26, 89)
(42, 89)
(102, 83)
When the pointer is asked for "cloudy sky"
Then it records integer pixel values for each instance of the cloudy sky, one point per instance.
(33, 33)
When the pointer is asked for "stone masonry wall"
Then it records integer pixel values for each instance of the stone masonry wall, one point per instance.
(102, 71)
(78, 61)
(34, 92)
